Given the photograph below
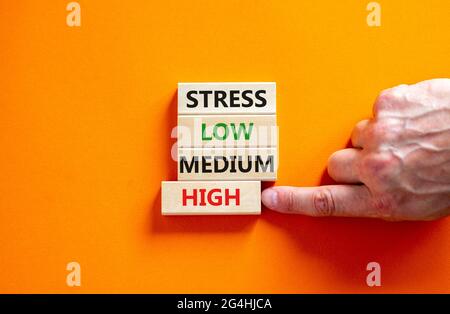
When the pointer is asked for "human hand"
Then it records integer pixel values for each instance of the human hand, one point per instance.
(399, 168)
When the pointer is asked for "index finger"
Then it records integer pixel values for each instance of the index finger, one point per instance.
(328, 200)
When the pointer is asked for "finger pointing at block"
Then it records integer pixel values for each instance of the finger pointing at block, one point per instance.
(332, 200)
(402, 156)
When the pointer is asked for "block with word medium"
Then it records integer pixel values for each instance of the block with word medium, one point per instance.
(228, 163)
(227, 131)
(226, 98)
(211, 197)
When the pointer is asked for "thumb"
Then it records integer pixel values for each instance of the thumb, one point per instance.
(328, 200)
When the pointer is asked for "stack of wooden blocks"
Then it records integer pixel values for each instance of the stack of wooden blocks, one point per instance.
(227, 144)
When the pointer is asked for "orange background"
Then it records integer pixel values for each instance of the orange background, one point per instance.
(85, 121)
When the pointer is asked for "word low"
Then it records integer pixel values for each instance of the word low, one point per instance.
(221, 131)
(227, 131)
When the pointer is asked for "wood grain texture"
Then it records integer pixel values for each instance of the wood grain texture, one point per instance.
(228, 164)
(211, 197)
(227, 98)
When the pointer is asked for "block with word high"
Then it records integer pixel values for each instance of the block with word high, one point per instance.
(227, 131)
(211, 197)
(226, 98)
(228, 164)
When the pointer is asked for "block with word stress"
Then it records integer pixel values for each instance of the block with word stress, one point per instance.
(226, 98)
(227, 131)
(211, 197)
(228, 164)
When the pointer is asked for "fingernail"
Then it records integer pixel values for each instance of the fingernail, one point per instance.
(270, 198)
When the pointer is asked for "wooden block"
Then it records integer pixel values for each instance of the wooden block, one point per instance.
(227, 131)
(227, 98)
(211, 197)
(228, 164)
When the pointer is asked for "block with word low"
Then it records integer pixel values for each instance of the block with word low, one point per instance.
(227, 131)
(226, 98)
(211, 197)
(228, 163)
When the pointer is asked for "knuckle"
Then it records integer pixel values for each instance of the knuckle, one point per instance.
(377, 166)
(361, 125)
(385, 95)
(378, 131)
(359, 132)
(384, 207)
(332, 164)
(290, 203)
(383, 131)
(382, 102)
(323, 202)
(356, 135)
(389, 98)
(372, 165)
